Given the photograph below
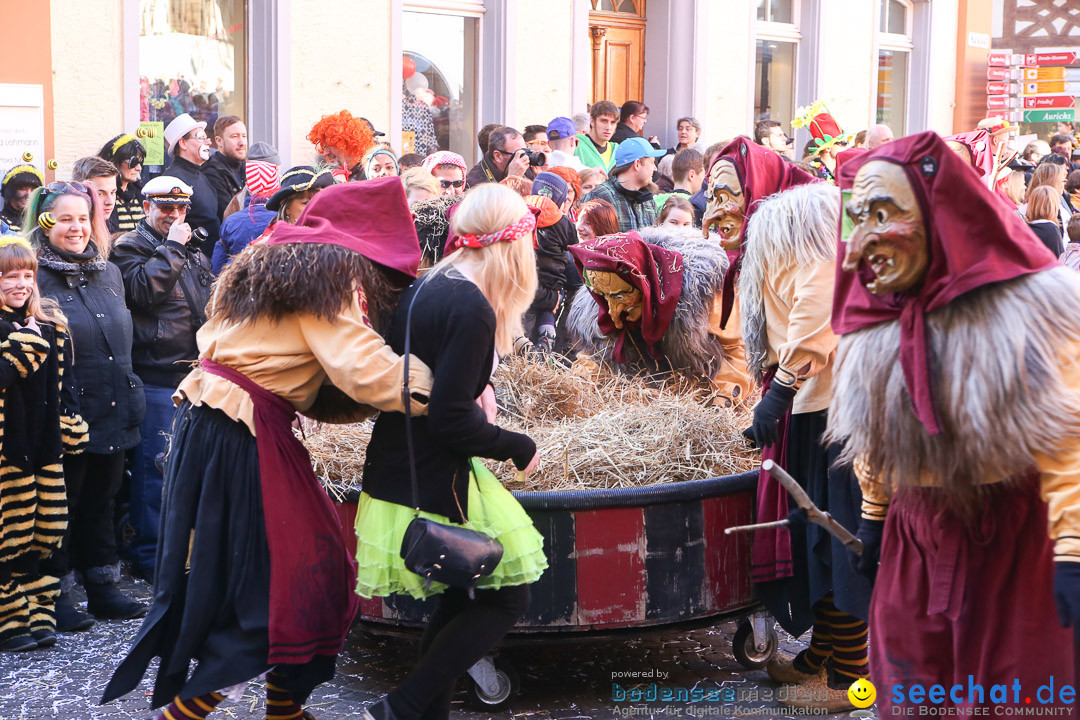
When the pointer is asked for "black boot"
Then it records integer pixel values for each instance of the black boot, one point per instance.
(68, 617)
(104, 599)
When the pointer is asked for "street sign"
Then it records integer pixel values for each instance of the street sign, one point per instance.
(1046, 73)
(1001, 73)
(1033, 102)
(1001, 88)
(1007, 115)
(1035, 116)
(1001, 102)
(1045, 88)
(1054, 58)
(1000, 58)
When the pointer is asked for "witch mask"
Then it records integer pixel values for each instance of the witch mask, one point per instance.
(726, 208)
(624, 301)
(884, 230)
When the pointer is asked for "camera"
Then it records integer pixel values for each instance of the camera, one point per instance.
(199, 236)
(536, 159)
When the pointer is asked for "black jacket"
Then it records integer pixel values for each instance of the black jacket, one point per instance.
(204, 204)
(168, 286)
(226, 177)
(453, 332)
(623, 132)
(110, 395)
(551, 245)
(486, 171)
(1050, 234)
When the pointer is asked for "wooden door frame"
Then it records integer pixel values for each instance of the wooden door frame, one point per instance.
(599, 23)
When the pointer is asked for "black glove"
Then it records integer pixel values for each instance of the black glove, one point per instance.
(767, 414)
(870, 532)
(1067, 592)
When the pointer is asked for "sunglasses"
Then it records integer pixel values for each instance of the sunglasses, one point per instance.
(62, 187)
(446, 184)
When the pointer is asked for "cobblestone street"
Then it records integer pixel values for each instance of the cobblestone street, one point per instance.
(558, 682)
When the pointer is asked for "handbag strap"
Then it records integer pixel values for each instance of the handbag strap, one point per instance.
(406, 399)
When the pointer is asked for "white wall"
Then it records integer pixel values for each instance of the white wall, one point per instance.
(87, 60)
(543, 70)
(944, 26)
(727, 58)
(847, 61)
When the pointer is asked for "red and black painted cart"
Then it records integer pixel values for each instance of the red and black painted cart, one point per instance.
(622, 561)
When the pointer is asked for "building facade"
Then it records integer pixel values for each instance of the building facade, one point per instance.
(431, 72)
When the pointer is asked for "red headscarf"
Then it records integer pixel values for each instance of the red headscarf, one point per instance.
(656, 272)
(972, 238)
(370, 217)
(848, 155)
(762, 172)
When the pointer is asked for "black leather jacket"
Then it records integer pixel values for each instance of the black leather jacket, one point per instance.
(167, 287)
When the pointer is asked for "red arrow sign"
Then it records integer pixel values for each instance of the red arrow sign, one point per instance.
(1001, 102)
(1058, 58)
(1034, 102)
(999, 73)
(999, 59)
(1000, 88)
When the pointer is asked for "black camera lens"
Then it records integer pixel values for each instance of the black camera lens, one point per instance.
(536, 159)
(199, 235)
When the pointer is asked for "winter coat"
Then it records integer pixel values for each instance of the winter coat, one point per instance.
(109, 393)
(226, 177)
(238, 230)
(167, 287)
(204, 202)
(551, 245)
(33, 502)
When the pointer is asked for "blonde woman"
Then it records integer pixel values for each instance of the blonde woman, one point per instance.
(419, 185)
(467, 310)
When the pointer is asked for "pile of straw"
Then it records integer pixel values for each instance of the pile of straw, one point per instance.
(593, 430)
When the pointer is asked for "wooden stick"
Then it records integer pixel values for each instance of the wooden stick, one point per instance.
(813, 513)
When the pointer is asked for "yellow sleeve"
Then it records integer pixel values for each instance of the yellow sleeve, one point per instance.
(732, 384)
(359, 362)
(1060, 482)
(810, 343)
(875, 495)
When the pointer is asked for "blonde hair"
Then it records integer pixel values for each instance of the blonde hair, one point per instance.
(43, 201)
(506, 271)
(1046, 175)
(1015, 186)
(418, 177)
(1043, 203)
(18, 255)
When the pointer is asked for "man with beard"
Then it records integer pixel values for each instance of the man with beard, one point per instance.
(957, 400)
(786, 291)
(190, 148)
(225, 168)
(167, 282)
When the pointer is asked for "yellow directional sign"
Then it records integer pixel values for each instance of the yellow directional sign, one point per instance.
(1043, 88)
(1044, 73)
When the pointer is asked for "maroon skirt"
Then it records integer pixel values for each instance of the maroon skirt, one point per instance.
(968, 609)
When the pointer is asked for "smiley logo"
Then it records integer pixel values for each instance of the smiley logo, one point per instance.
(862, 693)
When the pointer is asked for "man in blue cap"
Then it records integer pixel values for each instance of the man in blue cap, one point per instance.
(562, 137)
(628, 187)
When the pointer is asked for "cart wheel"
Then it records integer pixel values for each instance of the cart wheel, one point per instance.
(508, 683)
(742, 646)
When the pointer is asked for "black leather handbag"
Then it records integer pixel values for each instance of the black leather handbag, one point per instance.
(450, 554)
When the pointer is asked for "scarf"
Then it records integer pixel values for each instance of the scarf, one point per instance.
(69, 263)
(634, 197)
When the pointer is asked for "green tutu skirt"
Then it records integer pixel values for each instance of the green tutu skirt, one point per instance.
(380, 528)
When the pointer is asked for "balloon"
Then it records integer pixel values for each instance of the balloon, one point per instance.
(424, 95)
(441, 101)
(416, 81)
(408, 67)
(422, 63)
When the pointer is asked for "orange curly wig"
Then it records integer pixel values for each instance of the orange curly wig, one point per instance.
(345, 134)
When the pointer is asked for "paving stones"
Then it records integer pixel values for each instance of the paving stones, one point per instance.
(564, 681)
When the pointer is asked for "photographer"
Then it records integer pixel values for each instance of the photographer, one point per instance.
(167, 281)
(507, 154)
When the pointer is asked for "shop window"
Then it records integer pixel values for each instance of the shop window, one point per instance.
(191, 59)
(439, 98)
(780, 11)
(774, 82)
(893, 63)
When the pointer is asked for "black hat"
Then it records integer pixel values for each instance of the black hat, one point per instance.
(297, 180)
(374, 132)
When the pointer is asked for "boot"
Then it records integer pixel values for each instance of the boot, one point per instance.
(781, 668)
(104, 599)
(68, 617)
(19, 643)
(44, 638)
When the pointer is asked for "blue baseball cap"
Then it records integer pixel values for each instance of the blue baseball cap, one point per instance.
(561, 128)
(552, 186)
(634, 149)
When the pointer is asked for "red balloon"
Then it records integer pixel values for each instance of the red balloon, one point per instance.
(441, 101)
(408, 67)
